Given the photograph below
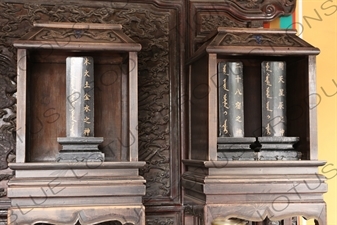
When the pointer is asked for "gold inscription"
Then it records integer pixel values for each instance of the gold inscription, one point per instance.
(238, 105)
(268, 93)
(87, 108)
(86, 131)
(86, 97)
(267, 80)
(225, 84)
(280, 105)
(268, 107)
(86, 73)
(225, 101)
(86, 85)
(86, 61)
(238, 78)
(268, 129)
(281, 79)
(86, 120)
(238, 92)
(281, 92)
(224, 127)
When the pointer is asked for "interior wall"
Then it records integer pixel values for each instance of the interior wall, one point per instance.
(318, 26)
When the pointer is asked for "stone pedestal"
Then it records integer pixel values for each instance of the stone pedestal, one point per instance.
(80, 149)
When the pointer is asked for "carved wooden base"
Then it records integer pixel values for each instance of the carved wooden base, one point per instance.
(80, 157)
(128, 214)
(258, 212)
(52, 193)
(254, 191)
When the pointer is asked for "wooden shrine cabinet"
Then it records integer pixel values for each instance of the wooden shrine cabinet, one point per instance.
(252, 129)
(57, 181)
(177, 186)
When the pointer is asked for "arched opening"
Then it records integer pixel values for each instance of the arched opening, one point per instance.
(115, 222)
(229, 221)
(44, 224)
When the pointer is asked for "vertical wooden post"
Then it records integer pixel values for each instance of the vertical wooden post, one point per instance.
(312, 107)
(21, 105)
(133, 103)
(212, 108)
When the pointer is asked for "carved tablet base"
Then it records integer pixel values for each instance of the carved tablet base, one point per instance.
(257, 149)
(80, 149)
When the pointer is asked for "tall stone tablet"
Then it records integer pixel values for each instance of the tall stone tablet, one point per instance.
(80, 143)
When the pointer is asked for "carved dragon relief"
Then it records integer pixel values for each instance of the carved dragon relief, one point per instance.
(7, 110)
(240, 12)
(212, 22)
(160, 221)
(262, 8)
(208, 15)
(70, 34)
(154, 82)
(153, 103)
(258, 6)
(261, 40)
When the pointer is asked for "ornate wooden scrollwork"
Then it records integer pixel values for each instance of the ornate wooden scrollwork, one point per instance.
(160, 221)
(7, 110)
(262, 9)
(206, 16)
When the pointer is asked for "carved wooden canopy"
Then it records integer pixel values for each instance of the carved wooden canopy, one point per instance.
(77, 37)
(255, 41)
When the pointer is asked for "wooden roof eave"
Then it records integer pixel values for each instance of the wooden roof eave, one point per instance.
(78, 46)
(262, 50)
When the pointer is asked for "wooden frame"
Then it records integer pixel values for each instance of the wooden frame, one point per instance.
(107, 191)
(218, 187)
